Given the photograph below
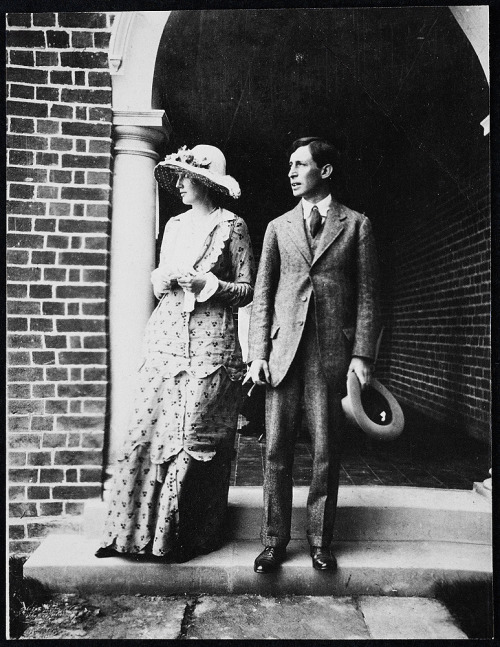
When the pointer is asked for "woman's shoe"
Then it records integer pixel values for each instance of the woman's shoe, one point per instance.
(106, 551)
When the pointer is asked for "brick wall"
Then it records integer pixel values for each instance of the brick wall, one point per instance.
(436, 351)
(58, 209)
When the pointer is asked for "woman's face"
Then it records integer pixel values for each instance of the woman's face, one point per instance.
(190, 190)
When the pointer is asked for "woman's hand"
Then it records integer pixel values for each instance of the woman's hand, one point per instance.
(162, 281)
(192, 282)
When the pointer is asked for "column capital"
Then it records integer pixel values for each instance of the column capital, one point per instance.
(140, 132)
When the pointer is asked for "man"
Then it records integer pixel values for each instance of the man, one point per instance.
(314, 318)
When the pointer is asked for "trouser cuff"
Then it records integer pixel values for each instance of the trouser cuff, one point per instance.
(276, 542)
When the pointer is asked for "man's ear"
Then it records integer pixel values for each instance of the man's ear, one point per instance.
(326, 171)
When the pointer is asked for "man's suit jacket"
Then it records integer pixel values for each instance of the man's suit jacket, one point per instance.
(343, 275)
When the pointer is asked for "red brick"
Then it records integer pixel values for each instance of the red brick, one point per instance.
(26, 75)
(44, 357)
(39, 458)
(17, 324)
(47, 94)
(24, 158)
(58, 242)
(53, 308)
(57, 374)
(17, 291)
(38, 492)
(23, 174)
(81, 292)
(45, 224)
(16, 532)
(21, 91)
(17, 459)
(90, 475)
(24, 191)
(43, 258)
(85, 161)
(30, 208)
(47, 159)
(19, 19)
(17, 257)
(18, 390)
(74, 509)
(27, 142)
(41, 325)
(92, 440)
(17, 493)
(28, 109)
(80, 325)
(22, 125)
(70, 423)
(46, 59)
(22, 57)
(47, 126)
(51, 509)
(83, 390)
(23, 475)
(76, 491)
(82, 20)
(56, 406)
(25, 341)
(95, 341)
(89, 60)
(55, 341)
(54, 440)
(42, 423)
(19, 423)
(61, 78)
(57, 39)
(41, 291)
(19, 224)
(51, 475)
(25, 406)
(22, 510)
(95, 374)
(19, 359)
(25, 39)
(71, 476)
(81, 129)
(43, 390)
(25, 441)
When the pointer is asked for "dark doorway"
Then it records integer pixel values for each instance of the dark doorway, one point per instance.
(402, 94)
(399, 90)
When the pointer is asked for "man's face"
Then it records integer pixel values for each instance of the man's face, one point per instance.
(306, 178)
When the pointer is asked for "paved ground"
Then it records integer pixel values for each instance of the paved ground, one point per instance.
(240, 617)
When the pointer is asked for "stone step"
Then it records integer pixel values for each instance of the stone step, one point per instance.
(66, 563)
(365, 513)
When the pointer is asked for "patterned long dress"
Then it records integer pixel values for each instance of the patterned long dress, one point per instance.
(169, 495)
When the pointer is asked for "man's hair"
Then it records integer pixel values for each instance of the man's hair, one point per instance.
(322, 151)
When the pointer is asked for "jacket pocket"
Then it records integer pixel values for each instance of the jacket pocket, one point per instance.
(274, 331)
(349, 333)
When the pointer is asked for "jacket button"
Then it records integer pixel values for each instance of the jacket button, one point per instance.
(304, 298)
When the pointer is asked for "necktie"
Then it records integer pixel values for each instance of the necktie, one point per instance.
(315, 222)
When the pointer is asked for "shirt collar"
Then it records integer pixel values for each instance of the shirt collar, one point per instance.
(323, 206)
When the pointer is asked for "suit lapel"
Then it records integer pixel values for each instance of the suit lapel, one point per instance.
(333, 227)
(295, 229)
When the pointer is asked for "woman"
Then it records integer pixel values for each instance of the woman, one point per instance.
(170, 492)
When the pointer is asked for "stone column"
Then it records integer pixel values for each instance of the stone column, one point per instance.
(132, 259)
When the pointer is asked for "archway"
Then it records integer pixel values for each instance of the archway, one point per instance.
(219, 77)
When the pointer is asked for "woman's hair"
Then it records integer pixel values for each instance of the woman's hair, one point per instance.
(322, 151)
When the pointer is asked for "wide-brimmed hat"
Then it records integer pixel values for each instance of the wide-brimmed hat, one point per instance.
(204, 163)
(374, 409)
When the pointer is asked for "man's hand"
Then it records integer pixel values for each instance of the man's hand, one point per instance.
(363, 370)
(192, 282)
(259, 372)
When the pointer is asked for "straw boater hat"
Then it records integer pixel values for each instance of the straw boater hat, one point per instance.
(204, 163)
(374, 409)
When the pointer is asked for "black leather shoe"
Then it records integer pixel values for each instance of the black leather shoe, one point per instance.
(106, 551)
(269, 559)
(322, 559)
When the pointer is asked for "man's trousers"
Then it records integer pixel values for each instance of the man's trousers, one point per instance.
(325, 420)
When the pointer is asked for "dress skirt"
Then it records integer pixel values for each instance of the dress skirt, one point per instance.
(170, 489)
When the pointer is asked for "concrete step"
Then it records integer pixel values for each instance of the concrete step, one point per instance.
(66, 563)
(365, 513)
